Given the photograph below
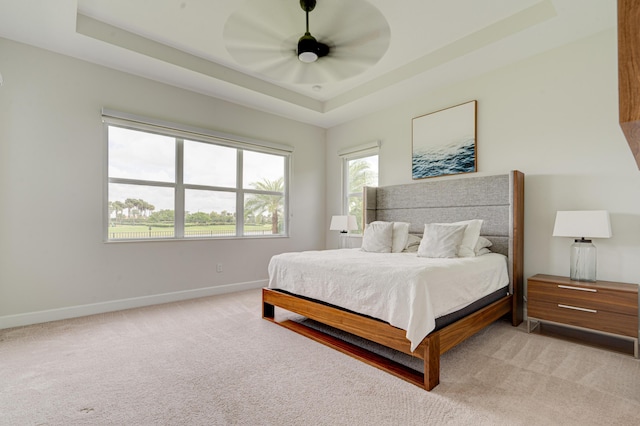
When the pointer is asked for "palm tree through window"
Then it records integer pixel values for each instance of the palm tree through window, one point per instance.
(360, 172)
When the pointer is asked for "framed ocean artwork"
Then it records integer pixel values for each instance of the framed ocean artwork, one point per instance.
(444, 142)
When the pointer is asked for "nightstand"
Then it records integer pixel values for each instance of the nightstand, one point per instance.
(605, 307)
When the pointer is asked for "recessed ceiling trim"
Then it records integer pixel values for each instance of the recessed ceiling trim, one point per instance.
(110, 34)
(513, 24)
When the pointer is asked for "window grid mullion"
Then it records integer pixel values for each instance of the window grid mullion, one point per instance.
(240, 194)
(141, 182)
(345, 186)
(179, 213)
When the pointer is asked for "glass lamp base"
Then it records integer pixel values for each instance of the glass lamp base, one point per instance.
(583, 261)
(343, 240)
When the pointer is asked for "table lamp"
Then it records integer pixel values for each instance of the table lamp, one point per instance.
(583, 225)
(344, 224)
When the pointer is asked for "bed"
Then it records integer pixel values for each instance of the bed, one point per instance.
(496, 200)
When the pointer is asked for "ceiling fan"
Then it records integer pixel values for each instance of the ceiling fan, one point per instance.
(348, 38)
(309, 49)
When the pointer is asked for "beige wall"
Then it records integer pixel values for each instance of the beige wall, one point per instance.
(553, 117)
(53, 262)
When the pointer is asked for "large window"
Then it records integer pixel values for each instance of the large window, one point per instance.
(171, 182)
(360, 168)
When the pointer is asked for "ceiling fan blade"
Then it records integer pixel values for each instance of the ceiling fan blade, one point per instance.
(356, 31)
(263, 36)
(252, 29)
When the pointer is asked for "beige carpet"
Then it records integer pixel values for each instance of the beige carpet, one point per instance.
(214, 361)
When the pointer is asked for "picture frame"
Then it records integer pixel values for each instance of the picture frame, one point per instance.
(444, 142)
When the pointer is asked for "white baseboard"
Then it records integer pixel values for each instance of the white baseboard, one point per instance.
(9, 321)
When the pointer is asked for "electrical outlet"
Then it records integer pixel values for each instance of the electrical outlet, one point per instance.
(219, 267)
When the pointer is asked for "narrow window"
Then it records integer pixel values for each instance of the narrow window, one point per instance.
(360, 168)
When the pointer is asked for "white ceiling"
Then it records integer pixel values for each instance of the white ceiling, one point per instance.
(180, 42)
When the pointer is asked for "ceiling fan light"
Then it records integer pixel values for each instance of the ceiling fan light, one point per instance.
(307, 48)
(307, 57)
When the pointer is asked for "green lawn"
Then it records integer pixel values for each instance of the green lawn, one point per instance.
(145, 231)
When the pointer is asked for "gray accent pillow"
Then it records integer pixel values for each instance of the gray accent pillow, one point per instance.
(378, 237)
(413, 242)
(440, 240)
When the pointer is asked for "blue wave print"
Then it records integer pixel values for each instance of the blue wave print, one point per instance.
(458, 157)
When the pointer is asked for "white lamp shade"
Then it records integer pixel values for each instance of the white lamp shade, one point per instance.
(343, 223)
(582, 224)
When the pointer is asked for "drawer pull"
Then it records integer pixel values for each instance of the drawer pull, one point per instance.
(575, 308)
(568, 287)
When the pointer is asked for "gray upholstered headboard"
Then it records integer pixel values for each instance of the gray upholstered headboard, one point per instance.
(490, 198)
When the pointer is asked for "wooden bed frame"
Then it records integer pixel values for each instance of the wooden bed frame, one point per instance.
(433, 345)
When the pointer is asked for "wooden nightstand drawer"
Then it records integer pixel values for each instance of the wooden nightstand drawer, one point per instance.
(602, 306)
(576, 315)
(585, 296)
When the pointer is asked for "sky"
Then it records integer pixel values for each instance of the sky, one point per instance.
(150, 157)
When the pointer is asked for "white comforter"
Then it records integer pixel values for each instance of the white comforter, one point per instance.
(407, 291)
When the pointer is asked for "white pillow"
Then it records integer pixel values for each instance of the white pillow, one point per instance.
(378, 237)
(441, 240)
(471, 235)
(400, 236)
(482, 246)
